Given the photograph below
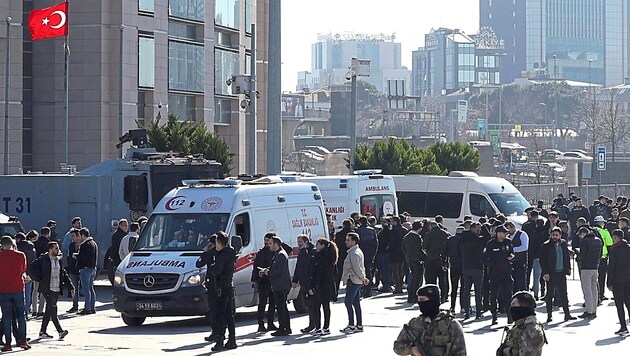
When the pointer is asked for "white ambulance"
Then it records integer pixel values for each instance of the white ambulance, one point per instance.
(366, 192)
(159, 278)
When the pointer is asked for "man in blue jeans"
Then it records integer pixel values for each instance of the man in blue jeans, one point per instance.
(354, 277)
(86, 264)
(12, 269)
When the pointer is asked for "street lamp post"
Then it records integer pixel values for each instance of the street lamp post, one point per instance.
(358, 68)
(500, 97)
(546, 117)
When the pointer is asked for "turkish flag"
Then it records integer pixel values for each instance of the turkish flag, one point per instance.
(49, 22)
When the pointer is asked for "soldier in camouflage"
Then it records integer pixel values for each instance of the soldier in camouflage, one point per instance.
(527, 336)
(434, 332)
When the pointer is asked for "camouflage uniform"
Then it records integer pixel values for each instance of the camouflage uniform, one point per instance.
(525, 338)
(442, 336)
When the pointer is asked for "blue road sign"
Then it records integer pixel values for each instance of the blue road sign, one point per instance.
(601, 158)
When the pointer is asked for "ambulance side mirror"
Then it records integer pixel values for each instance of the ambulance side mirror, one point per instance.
(237, 243)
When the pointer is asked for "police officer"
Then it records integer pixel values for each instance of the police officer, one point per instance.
(223, 270)
(207, 259)
(434, 332)
(499, 255)
(527, 336)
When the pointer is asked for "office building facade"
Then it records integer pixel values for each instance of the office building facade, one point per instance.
(176, 58)
(331, 56)
(583, 40)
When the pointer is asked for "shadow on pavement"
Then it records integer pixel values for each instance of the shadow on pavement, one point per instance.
(610, 341)
(176, 327)
(189, 347)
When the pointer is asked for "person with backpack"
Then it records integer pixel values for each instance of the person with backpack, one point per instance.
(48, 270)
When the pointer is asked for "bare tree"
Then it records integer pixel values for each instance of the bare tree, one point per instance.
(615, 122)
(590, 116)
(536, 146)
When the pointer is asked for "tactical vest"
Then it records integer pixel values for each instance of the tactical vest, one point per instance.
(512, 343)
(437, 337)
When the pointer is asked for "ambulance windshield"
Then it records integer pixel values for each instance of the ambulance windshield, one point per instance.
(180, 232)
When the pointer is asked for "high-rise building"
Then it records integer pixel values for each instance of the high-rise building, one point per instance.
(331, 56)
(583, 40)
(177, 56)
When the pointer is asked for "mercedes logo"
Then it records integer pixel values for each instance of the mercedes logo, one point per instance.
(149, 281)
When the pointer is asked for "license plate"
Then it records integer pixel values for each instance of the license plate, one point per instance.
(149, 306)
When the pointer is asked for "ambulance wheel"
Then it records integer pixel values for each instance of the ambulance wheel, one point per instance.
(299, 304)
(132, 320)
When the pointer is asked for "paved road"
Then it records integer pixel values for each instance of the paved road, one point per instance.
(105, 334)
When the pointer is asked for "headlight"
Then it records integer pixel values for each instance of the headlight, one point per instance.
(119, 279)
(194, 278)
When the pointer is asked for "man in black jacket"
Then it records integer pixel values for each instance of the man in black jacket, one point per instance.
(452, 260)
(369, 246)
(382, 255)
(471, 252)
(73, 268)
(396, 256)
(555, 263)
(498, 256)
(207, 259)
(578, 211)
(588, 259)
(619, 278)
(48, 269)
(302, 275)
(117, 236)
(280, 279)
(28, 249)
(434, 244)
(340, 241)
(86, 263)
(262, 284)
(415, 257)
(222, 270)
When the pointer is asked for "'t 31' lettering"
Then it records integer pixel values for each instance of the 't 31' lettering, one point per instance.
(20, 205)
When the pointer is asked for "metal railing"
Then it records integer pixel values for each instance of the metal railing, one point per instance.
(588, 193)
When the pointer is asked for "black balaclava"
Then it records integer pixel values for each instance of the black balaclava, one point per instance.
(431, 307)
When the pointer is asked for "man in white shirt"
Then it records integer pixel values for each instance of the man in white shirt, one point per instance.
(520, 241)
(129, 241)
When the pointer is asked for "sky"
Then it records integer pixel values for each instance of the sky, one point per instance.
(302, 20)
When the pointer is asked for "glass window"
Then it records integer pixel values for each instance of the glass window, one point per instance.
(186, 64)
(146, 6)
(242, 228)
(510, 203)
(180, 232)
(227, 13)
(141, 104)
(449, 205)
(187, 9)
(480, 206)
(378, 205)
(249, 14)
(185, 30)
(182, 106)
(226, 64)
(223, 111)
(146, 62)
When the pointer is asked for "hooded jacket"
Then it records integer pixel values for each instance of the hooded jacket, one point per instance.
(590, 252)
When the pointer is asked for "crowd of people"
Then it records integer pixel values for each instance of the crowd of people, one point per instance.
(36, 268)
(504, 268)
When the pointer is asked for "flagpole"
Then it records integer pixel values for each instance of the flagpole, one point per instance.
(120, 89)
(66, 54)
(6, 97)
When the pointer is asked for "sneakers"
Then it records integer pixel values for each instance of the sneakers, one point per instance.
(63, 334)
(621, 331)
(44, 335)
(316, 332)
(325, 332)
(359, 329)
(24, 345)
(350, 329)
(6, 348)
(308, 330)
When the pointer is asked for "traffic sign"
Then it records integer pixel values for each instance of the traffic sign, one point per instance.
(462, 110)
(601, 158)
